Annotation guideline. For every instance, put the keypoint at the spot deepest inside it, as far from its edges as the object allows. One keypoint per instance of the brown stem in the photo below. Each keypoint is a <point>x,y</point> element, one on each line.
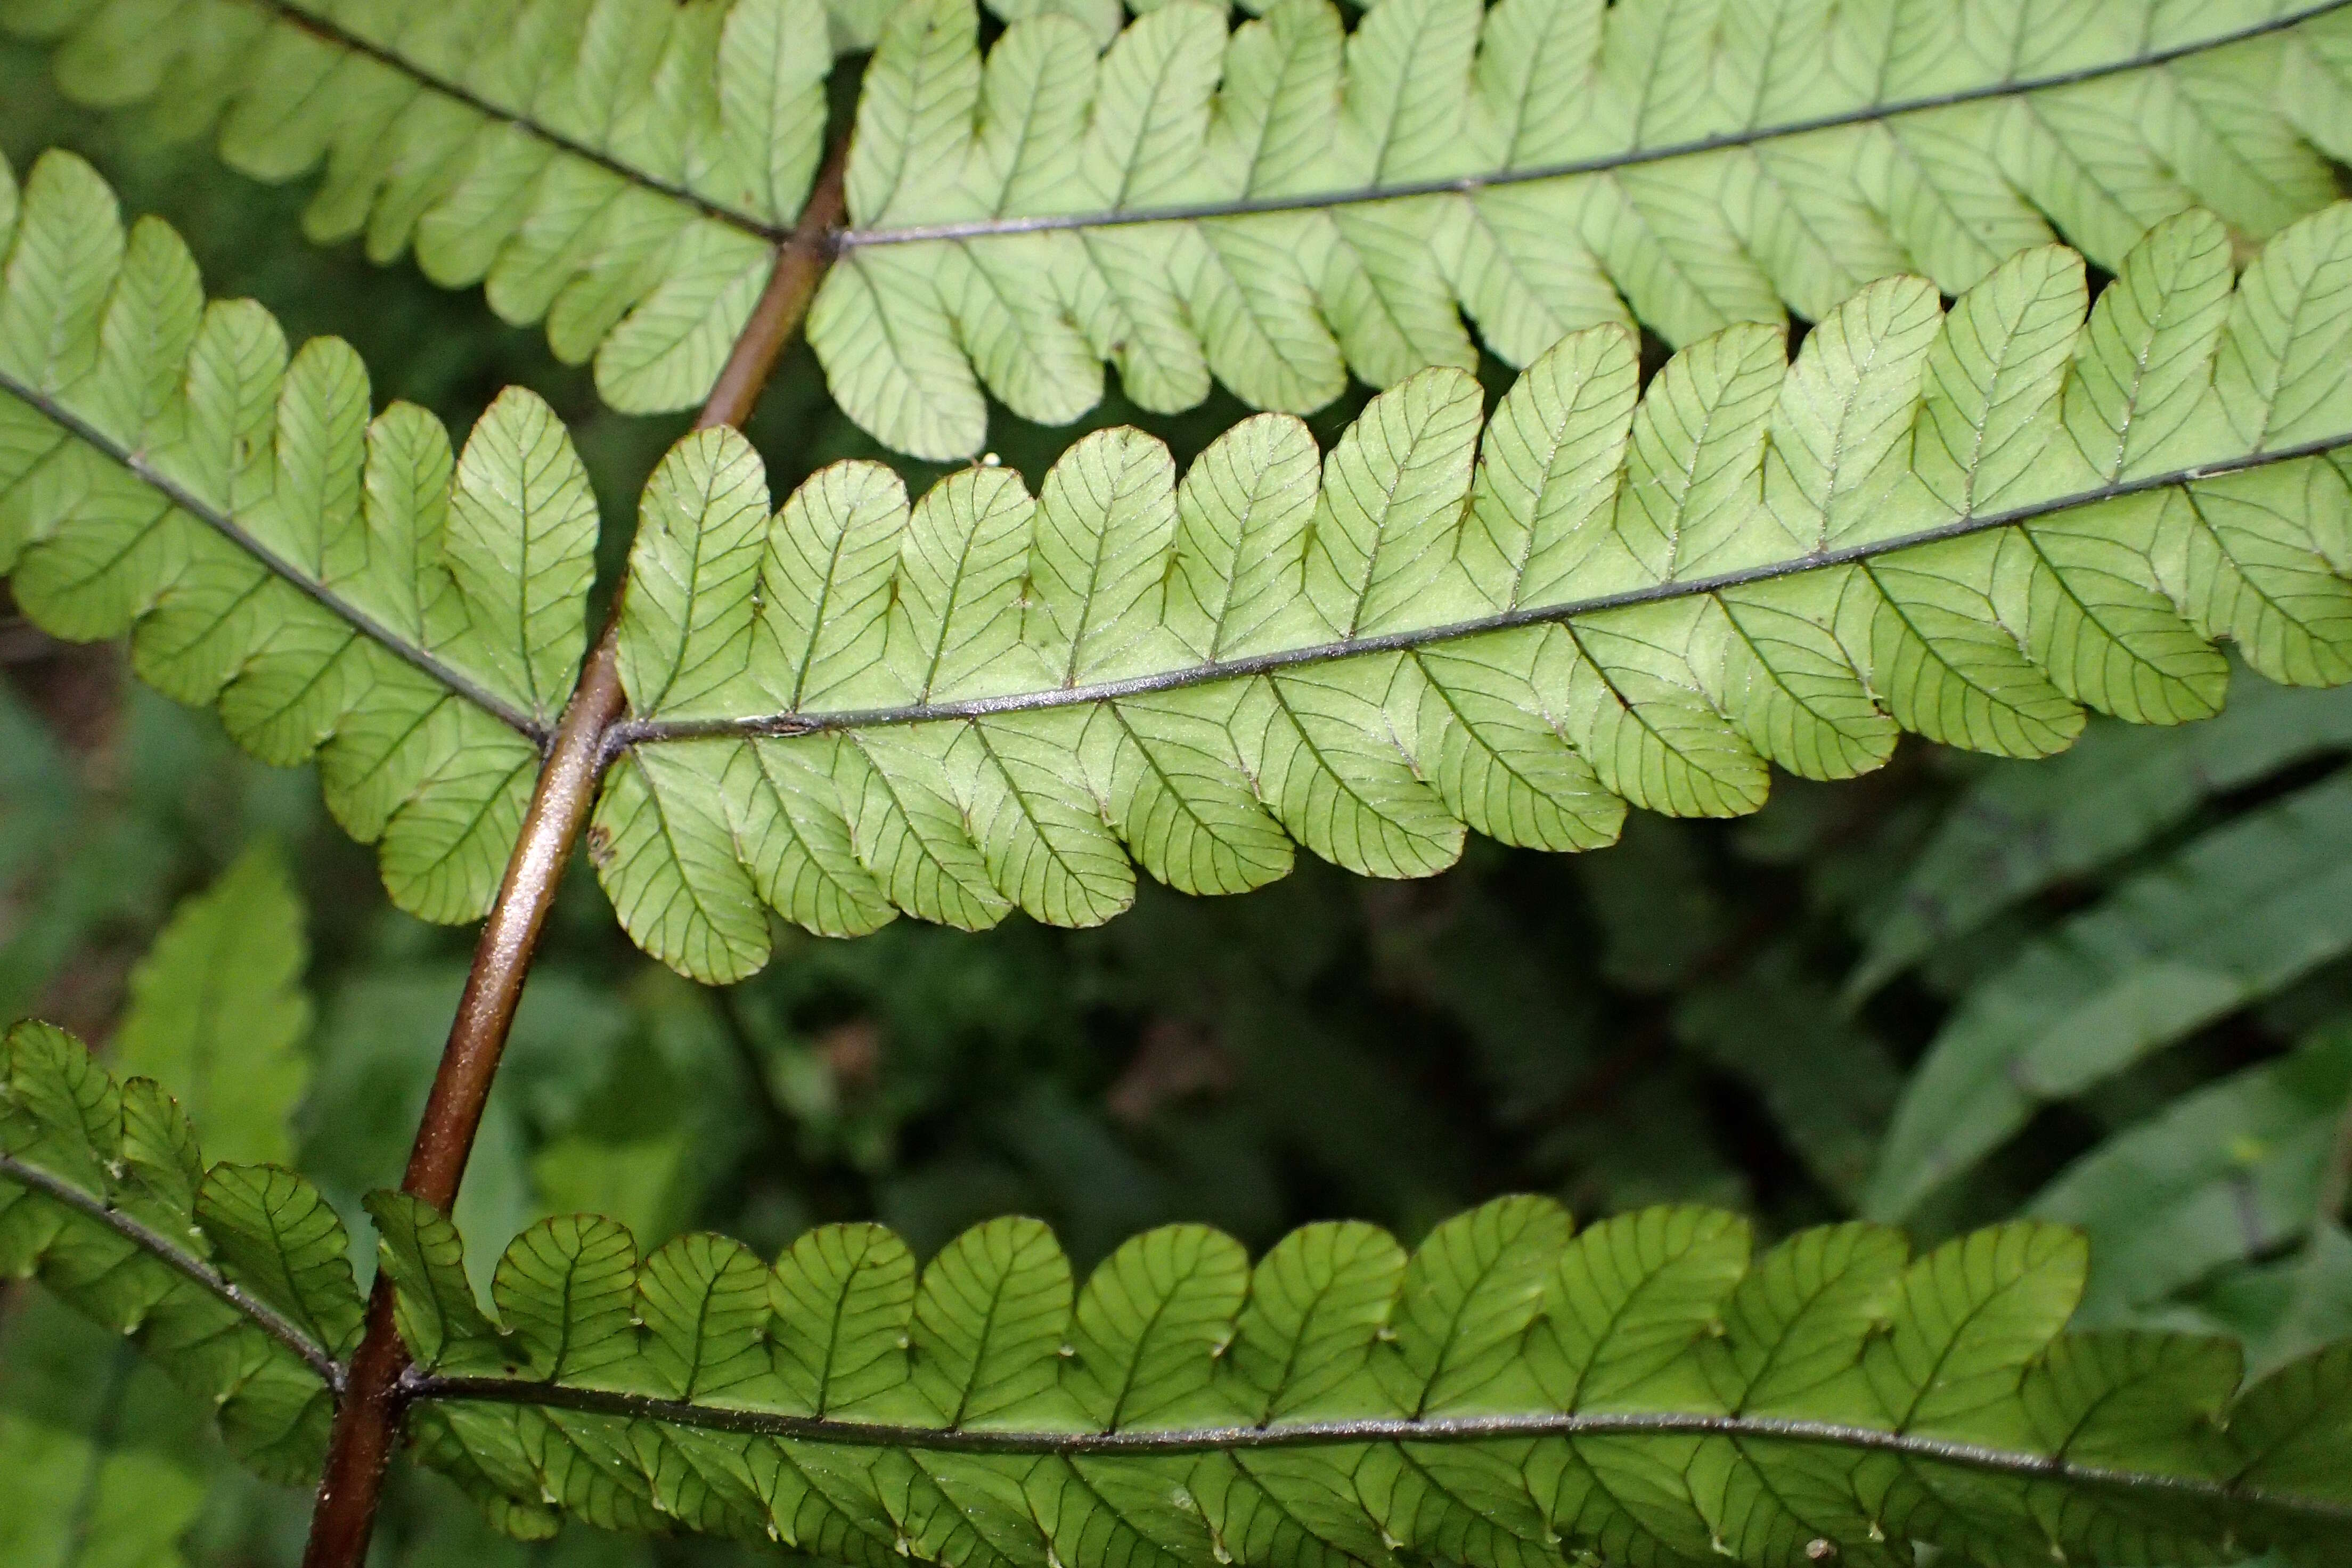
<point>800,266</point>
<point>368,1420</point>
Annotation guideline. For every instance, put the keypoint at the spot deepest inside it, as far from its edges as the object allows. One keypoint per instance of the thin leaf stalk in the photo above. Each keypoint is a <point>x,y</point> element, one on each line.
<point>331,33</point>
<point>374,1402</point>
<point>1958,1453</point>
<point>174,1256</point>
<point>1606,163</point>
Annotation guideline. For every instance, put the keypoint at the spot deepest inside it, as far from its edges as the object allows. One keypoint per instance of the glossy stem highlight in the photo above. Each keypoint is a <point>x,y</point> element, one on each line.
<point>368,1416</point>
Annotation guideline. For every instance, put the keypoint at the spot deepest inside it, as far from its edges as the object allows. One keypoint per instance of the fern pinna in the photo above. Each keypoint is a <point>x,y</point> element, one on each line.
<point>1275,203</point>
<point>1650,1389</point>
<point>1974,520</point>
<point>1969,524</point>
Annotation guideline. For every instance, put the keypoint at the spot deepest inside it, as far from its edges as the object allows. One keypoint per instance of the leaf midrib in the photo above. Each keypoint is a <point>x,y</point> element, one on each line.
<point>775,233</point>
<point>344,610</point>
<point>1470,184</point>
<point>633,732</point>
<point>334,33</point>
<point>251,1310</point>
<point>1161,1441</point>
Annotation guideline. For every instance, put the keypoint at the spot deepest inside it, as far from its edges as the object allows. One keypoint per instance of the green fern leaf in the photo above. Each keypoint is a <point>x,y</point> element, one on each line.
<point>2221,1177</point>
<point>986,701</point>
<point>95,1467</point>
<point>2021,831</point>
<point>1644,1391</point>
<point>1286,202</point>
<point>1511,1387</point>
<point>844,1359</point>
<point>1149,1327</point>
<point>282,1241</point>
<point>216,1011</point>
<point>337,584</point>
<point>988,1321</point>
<point>1955,522</point>
<point>564,1289</point>
<point>622,172</point>
<point>238,1281</point>
<point>1273,204</point>
<point>2233,916</point>
<point>419,1248</point>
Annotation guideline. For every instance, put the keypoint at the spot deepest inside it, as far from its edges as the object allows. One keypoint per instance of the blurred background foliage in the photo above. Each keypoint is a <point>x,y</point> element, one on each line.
<point>2126,974</point>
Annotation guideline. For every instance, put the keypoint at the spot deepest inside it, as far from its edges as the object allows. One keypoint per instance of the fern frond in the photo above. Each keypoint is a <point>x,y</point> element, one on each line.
<point>217,1009</point>
<point>237,1278</point>
<point>96,1464</point>
<point>339,585</point>
<point>2020,831</point>
<point>2235,916</point>
<point>621,170</point>
<point>1275,207</point>
<point>1971,525</point>
<point>1288,204</point>
<point>2223,1176</point>
<point>1645,1391</point>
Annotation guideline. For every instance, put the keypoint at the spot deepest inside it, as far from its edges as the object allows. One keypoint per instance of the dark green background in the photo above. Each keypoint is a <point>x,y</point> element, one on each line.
<point>1655,1022</point>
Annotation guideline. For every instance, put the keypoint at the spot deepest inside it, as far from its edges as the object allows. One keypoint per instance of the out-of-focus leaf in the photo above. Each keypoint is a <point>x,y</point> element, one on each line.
<point>2223,1176</point>
<point>94,1471</point>
<point>217,1014</point>
<point>2022,829</point>
<point>2235,915</point>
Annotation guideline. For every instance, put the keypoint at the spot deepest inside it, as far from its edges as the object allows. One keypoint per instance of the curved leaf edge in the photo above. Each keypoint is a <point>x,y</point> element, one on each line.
<point>853,237</point>
<point>1961,523</point>
<point>339,583</point>
<point>236,1278</point>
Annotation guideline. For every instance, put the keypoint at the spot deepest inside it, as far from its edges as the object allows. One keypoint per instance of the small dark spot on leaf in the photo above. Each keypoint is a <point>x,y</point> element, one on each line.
<point>600,845</point>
